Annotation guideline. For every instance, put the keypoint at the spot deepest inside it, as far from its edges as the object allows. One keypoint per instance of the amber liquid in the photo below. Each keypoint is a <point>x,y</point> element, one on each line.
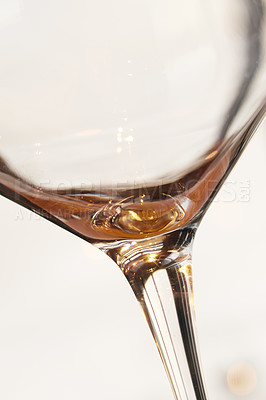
<point>128,213</point>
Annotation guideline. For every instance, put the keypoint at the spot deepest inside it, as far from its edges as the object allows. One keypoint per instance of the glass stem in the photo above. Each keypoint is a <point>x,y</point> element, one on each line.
<point>160,273</point>
<point>167,302</point>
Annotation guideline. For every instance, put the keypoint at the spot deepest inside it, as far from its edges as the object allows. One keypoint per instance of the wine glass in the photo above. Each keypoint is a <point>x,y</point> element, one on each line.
<point>120,122</point>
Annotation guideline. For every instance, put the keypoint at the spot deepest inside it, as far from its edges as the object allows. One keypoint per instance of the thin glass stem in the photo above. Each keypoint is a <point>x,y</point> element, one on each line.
<point>168,305</point>
<point>160,273</point>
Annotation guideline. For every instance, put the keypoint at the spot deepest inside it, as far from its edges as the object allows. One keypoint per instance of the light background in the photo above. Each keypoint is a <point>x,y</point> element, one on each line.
<point>70,328</point>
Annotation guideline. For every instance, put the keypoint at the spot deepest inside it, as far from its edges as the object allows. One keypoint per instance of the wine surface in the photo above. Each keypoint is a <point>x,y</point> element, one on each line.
<point>125,213</point>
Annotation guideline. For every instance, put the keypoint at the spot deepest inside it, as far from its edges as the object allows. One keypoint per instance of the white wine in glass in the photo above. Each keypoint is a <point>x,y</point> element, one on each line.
<point>120,121</point>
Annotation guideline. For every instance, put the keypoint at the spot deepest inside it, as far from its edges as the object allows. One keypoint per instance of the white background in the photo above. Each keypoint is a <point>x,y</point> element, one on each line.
<point>70,328</point>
